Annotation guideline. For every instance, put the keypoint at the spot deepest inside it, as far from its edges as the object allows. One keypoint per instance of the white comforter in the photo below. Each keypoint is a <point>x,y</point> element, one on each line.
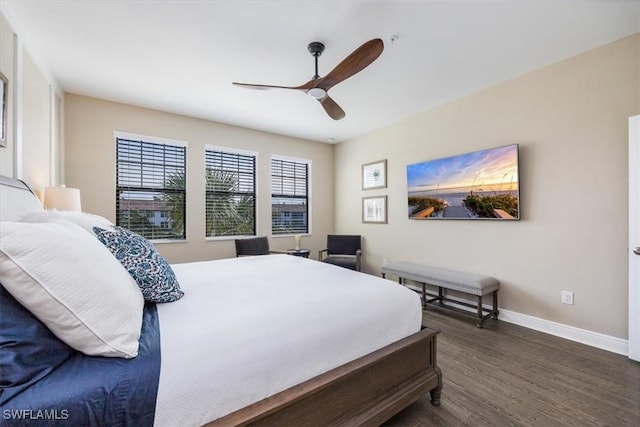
<point>250,327</point>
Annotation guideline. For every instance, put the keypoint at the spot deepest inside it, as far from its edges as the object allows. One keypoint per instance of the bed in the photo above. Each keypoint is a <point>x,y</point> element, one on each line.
<point>265,340</point>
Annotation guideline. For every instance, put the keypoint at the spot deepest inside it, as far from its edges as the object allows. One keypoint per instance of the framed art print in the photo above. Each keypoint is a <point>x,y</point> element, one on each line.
<point>374,210</point>
<point>374,175</point>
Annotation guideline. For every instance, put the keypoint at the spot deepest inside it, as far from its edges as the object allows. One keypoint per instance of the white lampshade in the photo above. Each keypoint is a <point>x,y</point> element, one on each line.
<point>62,198</point>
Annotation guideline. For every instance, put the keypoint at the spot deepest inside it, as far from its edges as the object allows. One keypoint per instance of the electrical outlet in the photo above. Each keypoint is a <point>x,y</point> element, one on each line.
<point>567,297</point>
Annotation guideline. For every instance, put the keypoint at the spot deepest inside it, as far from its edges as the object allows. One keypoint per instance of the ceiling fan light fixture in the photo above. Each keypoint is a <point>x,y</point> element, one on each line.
<point>317,93</point>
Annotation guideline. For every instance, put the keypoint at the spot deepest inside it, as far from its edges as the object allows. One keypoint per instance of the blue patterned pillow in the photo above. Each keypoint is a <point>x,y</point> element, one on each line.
<point>151,271</point>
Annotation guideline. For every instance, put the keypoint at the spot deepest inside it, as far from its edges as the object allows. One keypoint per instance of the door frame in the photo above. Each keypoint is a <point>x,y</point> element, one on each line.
<point>634,238</point>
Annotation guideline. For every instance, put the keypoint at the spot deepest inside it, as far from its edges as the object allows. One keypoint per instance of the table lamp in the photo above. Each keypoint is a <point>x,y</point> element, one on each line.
<point>62,198</point>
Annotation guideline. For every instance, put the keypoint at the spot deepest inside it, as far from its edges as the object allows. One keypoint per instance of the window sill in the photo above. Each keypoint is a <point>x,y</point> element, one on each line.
<point>222,238</point>
<point>165,241</point>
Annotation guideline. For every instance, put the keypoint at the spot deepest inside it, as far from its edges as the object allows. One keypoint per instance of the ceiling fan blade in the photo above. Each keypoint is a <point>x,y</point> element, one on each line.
<point>264,87</point>
<point>332,108</point>
<point>359,59</point>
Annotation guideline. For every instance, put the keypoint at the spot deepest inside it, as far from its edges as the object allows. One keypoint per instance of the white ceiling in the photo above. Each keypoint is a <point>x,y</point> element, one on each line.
<point>181,56</point>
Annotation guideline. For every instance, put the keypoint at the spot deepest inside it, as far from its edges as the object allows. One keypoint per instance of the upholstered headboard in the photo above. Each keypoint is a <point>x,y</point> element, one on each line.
<point>16,198</point>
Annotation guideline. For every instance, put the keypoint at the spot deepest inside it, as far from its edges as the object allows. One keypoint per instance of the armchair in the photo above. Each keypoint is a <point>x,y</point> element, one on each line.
<point>344,251</point>
<point>252,246</point>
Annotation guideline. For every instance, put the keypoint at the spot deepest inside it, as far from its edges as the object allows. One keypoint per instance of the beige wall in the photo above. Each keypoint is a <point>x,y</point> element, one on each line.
<point>35,103</point>
<point>90,165</point>
<point>570,120</point>
<point>36,155</point>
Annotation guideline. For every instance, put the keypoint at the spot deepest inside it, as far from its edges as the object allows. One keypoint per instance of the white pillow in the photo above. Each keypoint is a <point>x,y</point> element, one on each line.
<point>74,285</point>
<point>83,219</point>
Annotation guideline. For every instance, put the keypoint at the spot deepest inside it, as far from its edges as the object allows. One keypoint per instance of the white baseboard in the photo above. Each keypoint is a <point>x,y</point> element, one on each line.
<point>583,336</point>
<point>594,339</point>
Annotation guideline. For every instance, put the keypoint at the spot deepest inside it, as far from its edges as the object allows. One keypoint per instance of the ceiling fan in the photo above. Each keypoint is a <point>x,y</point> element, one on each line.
<point>318,87</point>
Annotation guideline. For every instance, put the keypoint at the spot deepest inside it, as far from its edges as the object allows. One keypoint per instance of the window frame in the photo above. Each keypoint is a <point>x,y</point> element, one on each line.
<point>240,152</point>
<point>147,139</point>
<point>309,195</point>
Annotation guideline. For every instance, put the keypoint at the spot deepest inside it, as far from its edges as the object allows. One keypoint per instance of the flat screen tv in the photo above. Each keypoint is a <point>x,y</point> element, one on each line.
<point>478,185</point>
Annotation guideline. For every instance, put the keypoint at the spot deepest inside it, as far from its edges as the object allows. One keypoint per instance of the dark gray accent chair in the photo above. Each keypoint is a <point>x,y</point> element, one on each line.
<point>344,251</point>
<point>252,246</point>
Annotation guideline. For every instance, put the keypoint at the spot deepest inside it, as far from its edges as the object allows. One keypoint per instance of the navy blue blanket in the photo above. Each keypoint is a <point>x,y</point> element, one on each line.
<point>44,382</point>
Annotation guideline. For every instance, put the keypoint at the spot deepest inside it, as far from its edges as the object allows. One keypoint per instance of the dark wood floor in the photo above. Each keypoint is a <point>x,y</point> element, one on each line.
<point>507,375</point>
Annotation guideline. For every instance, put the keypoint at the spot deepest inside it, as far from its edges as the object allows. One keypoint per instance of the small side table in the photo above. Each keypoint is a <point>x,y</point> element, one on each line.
<point>304,253</point>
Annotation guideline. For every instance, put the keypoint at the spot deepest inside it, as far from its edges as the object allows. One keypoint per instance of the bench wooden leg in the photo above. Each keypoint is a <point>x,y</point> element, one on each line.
<point>493,313</point>
<point>480,316</point>
<point>424,296</point>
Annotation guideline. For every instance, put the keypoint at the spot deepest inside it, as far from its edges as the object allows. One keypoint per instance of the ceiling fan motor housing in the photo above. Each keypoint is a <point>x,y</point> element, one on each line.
<point>316,48</point>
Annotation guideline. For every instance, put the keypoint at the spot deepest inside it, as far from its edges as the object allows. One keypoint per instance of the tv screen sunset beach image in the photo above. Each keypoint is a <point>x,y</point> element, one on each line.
<point>482,184</point>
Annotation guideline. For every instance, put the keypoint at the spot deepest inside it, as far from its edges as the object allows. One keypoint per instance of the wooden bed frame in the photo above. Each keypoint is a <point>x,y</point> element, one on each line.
<point>365,392</point>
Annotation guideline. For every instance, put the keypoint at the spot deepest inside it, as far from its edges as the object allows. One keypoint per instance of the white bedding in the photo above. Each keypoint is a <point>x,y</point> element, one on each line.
<point>250,327</point>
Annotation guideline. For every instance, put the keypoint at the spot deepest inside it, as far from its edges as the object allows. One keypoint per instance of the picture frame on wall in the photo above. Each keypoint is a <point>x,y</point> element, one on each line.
<point>4,93</point>
<point>374,175</point>
<point>374,210</point>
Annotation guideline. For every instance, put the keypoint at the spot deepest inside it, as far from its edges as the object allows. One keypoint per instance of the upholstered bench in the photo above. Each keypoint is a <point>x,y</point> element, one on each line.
<point>467,283</point>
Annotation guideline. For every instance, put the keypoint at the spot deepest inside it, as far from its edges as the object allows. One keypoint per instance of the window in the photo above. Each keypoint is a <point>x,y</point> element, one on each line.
<point>150,188</point>
<point>289,196</point>
<point>231,193</point>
